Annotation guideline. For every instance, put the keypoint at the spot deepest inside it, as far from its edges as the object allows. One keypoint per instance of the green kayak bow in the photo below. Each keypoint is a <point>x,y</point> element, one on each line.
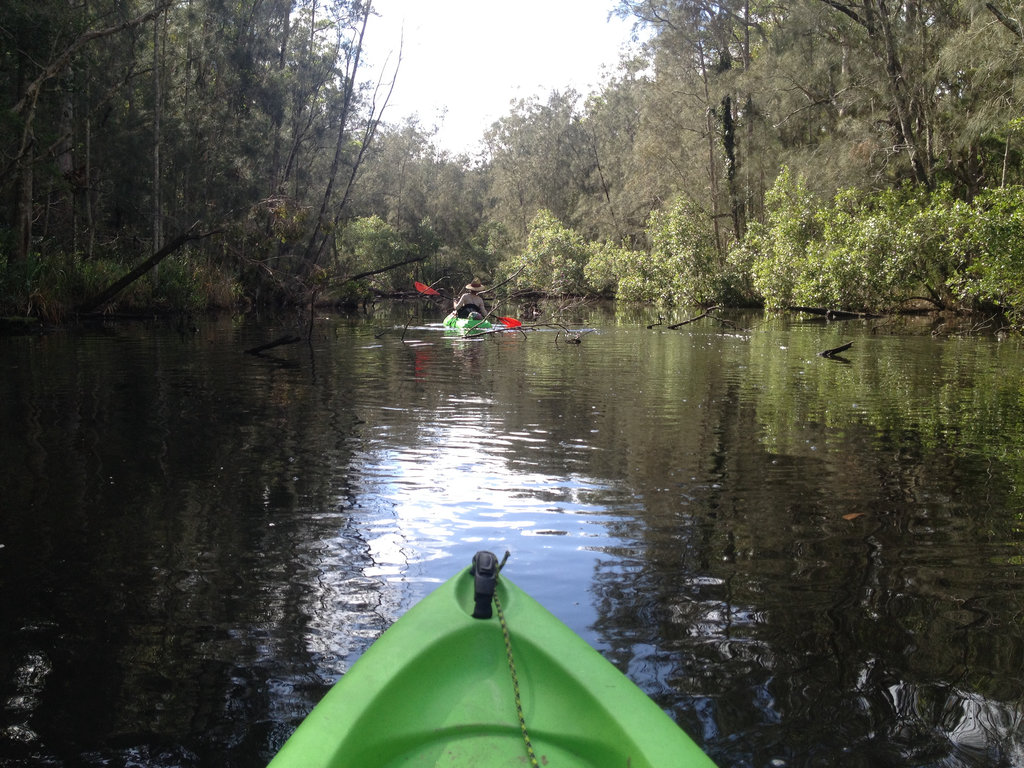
<point>480,674</point>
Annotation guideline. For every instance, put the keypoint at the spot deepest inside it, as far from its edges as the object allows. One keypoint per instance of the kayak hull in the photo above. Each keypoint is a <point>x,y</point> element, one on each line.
<point>435,689</point>
<point>466,324</point>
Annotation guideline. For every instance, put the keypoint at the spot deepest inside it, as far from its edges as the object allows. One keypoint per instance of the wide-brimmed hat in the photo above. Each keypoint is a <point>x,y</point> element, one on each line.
<point>476,286</point>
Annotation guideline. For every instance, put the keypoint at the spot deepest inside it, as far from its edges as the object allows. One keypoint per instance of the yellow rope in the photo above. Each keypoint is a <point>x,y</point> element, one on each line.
<point>512,670</point>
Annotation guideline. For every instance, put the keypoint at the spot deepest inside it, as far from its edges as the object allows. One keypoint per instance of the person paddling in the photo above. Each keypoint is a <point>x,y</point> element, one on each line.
<point>471,301</point>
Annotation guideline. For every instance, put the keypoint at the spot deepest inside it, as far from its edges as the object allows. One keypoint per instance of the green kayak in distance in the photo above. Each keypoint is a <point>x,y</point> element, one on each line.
<point>467,324</point>
<point>436,689</point>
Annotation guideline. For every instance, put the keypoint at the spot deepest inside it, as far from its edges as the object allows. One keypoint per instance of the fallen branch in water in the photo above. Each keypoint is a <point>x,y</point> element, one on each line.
<point>503,282</point>
<point>276,343</point>
<point>693,319</point>
<point>473,333</point>
<point>831,353</point>
<point>834,314</point>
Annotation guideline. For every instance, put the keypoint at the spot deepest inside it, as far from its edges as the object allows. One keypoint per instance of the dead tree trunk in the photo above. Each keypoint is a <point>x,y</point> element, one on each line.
<point>106,295</point>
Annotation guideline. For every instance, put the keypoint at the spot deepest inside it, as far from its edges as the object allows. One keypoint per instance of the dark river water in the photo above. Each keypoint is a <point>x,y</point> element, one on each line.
<point>805,561</point>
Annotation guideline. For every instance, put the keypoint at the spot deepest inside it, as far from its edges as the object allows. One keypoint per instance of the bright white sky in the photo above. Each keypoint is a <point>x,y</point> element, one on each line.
<point>464,61</point>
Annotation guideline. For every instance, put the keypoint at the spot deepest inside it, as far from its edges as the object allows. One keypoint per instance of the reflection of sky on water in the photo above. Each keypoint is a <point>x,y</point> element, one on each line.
<point>422,511</point>
<point>742,530</point>
<point>621,537</point>
<point>428,487</point>
<point>971,722</point>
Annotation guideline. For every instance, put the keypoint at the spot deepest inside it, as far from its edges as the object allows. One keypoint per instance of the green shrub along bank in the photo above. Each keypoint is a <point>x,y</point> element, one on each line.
<point>882,251</point>
<point>868,252</point>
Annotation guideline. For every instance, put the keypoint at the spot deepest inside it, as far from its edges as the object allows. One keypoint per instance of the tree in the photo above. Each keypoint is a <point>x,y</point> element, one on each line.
<point>23,148</point>
<point>538,159</point>
<point>433,199</point>
<point>620,190</point>
<point>344,148</point>
<point>982,77</point>
<point>554,259</point>
<point>701,104</point>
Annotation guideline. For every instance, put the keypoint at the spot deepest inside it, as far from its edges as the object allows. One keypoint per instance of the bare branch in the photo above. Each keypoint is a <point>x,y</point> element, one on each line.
<point>1013,25</point>
<point>846,10</point>
<point>58,64</point>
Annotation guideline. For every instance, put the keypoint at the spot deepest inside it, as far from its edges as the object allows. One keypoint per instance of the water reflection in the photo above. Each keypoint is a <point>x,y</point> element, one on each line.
<point>806,563</point>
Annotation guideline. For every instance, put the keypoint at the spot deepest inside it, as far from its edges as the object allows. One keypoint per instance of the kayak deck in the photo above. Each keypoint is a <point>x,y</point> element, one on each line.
<point>436,689</point>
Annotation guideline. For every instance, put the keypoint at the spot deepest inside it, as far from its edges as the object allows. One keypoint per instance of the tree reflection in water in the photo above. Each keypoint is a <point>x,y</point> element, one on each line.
<point>806,563</point>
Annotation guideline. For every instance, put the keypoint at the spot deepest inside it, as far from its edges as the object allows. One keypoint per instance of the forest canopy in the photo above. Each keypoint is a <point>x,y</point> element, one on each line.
<point>862,156</point>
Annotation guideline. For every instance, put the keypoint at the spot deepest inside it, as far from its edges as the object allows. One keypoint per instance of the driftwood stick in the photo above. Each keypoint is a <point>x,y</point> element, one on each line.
<point>830,353</point>
<point>388,268</point>
<point>503,282</point>
<point>275,343</point>
<point>473,333</point>
<point>693,319</point>
<point>833,314</point>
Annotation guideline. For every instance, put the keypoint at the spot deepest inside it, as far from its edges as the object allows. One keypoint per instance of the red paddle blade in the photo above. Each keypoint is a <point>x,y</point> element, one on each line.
<point>510,322</point>
<point>426,289</point>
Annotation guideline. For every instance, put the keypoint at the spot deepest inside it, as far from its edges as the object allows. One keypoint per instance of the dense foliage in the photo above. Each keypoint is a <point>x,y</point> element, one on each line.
<point>860,155</point>
<point>887,250</point>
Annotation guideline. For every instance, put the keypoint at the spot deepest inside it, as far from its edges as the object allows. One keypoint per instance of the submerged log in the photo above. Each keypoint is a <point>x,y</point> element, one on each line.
<point>834,352</point>
<point>20,325</point>
<point>275,343</point>
<point>833,314</point>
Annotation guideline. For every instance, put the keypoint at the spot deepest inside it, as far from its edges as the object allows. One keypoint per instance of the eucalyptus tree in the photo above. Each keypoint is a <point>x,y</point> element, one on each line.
<point>348,149</point>
<point>538,159</point>
<point>396,175</point>
<point>983,66</point>
<point>877,54</point>
<point>306,98</point>
<point>879,92</point>
<point>701,118</point>
<point>620,189</point>
<point>435,199</point>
